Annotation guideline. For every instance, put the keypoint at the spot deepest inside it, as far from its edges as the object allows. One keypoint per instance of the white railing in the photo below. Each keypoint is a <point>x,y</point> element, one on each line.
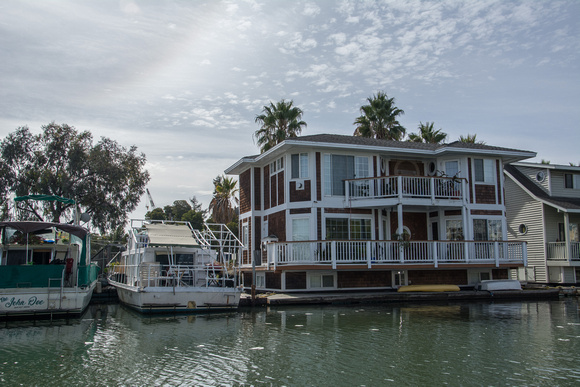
<point>371,253</point>
<point>556,251</point>
<point>405,187</point>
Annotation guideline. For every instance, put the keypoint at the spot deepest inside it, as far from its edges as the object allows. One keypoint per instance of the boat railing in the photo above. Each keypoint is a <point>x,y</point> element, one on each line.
<point>370,253</point>
<point>156,275</point>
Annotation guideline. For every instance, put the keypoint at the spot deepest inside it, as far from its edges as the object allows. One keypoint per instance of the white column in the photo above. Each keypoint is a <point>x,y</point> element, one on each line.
<point>567,235</point>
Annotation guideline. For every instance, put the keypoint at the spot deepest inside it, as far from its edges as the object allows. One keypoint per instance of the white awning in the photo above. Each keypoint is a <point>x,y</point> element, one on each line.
<point>170,235</point>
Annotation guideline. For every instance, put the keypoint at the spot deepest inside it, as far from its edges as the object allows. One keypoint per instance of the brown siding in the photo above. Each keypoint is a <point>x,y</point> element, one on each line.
<point>484,194</point>
<point>319,223</point>
<point>470,183</point>
<point>417,223</point>
<point>302,195</point>
<point>273,191</point>
<point>245,192</point>
<point>258,232</point>
<point>296,280</point>
<point>277,225</point>
<point>434,277</point>
<point>281,188</point>
<point>294,211</point>
<point>498,177</point>
<point>274,280</point>
<point>363,279</point>
<point>257,189</point>
<point>266,187</point>
<point>347,211</point>
<point>499,274</point>
<point>318,177</point>
<point>486,212</point>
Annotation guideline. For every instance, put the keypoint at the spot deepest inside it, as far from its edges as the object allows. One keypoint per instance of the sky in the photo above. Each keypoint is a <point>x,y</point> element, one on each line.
<point>184,80</point>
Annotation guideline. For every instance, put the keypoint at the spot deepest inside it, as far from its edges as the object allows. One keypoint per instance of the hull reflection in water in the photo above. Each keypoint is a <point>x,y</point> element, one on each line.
<point>532,343</point>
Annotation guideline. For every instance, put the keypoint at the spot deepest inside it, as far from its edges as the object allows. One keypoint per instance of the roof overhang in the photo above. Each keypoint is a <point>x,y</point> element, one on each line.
<point>507,155</point>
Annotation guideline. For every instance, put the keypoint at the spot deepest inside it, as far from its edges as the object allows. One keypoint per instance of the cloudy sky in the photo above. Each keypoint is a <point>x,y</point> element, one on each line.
<point>184,80</point>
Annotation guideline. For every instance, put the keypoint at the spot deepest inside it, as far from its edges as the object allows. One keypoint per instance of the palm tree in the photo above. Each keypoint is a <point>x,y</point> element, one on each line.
<point>278,122</point>
<point>471,139</point>
<point>428,134</point>
<point>224,202</point>
<point>379,119</point>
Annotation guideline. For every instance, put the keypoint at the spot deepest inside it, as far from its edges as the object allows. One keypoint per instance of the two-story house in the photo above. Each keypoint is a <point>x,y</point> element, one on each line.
<point>543,208</point>
<point>328,212</point>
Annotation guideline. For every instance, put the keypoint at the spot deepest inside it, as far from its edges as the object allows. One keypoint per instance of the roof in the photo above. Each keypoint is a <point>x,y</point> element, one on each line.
<point>170,235</point>
<point>336,141</point>
<point>30,226</point>
<point>562,203</point>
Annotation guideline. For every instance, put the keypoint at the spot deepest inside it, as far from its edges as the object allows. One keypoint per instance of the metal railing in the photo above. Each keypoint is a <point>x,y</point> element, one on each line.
<point>405,187</point>
<point>372,253</point>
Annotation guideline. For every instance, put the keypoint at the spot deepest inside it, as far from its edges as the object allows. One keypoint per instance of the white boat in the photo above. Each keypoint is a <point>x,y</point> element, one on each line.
<point>168,267</point>
<point>504,284</point>
<point>45,269</point>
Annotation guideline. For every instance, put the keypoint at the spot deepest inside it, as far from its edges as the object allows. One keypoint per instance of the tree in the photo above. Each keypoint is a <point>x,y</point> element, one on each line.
<point>471,139</point>
<point>106,180</point>
<point>428,134</point>
<point>278,122</point>
<point>379,119</point>
<point>224,202</point>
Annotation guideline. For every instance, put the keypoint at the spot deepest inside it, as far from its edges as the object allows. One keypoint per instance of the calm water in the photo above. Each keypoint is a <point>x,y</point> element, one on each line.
<point>469,344</point>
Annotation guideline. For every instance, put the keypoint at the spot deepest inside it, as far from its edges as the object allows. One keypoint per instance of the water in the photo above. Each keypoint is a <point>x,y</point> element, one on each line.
<point>468,344</point>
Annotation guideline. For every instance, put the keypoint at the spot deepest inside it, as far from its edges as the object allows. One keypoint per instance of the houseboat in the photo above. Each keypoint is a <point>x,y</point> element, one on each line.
<point>45,269</point>
<point>334,212</point>
<point>169,267</point>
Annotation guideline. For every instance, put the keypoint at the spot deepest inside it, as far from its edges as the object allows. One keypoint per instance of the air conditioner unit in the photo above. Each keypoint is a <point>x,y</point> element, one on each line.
<point>299,185</point>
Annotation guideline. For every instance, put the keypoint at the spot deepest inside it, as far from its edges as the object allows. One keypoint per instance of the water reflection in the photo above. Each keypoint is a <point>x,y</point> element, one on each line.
<point>532,343</point>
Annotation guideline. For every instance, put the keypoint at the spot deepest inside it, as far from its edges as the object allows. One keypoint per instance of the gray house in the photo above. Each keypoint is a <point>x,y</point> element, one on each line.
<point>543,209</point>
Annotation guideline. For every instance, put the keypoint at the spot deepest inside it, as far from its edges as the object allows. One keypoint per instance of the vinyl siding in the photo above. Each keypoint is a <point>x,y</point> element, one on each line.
<point>523,209</point>
<point>558,185</point>
<point>531,174</point>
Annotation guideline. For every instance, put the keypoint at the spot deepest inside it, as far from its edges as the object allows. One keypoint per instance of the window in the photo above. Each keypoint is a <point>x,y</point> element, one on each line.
<point>318,280</point>
<point>574,232</point>
<point>451,168</point>
<point>246,235</point>
<point>348,229</point>
<point>571,181</point>
<point>484,171</point>
<point>454,230</point>
<point>338,168</point>
<point>260,280</point>
<point>299,165</point>
<point>276,166</point>
<point>487,230</point>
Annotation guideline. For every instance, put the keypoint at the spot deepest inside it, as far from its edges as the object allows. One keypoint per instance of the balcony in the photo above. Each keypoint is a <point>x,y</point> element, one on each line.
<point>558,254</point>
<point>406,189</point>
<point>394,253</point>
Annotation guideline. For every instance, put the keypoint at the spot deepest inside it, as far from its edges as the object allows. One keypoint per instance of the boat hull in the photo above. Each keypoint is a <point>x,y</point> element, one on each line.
<point>178,300</point>
<point>429,288</point>
<point>24,302</point>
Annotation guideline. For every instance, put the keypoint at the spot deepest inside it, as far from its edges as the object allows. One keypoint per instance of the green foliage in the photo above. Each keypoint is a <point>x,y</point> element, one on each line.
<point>105,179</point>
<point>224,202</point>
<point>378,119</point>
<point>278,122</point>
<point>471,139</point>
<point>181,210</point>
<point>428,134</point>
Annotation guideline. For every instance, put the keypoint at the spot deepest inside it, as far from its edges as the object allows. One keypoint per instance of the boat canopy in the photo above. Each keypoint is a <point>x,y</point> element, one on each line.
<point>51,198</point>
<point>30,226</point>
<point>170,235</point>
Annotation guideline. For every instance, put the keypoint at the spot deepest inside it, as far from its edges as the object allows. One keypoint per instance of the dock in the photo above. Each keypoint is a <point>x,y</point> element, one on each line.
<point>337,298</point>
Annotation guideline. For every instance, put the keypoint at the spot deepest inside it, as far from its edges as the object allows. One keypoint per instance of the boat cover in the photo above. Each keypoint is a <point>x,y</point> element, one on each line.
<point>30,226</point>
<point>170,235</point>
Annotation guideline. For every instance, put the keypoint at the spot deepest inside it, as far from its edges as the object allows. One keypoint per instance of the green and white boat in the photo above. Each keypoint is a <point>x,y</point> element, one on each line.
<point>45,269</point>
